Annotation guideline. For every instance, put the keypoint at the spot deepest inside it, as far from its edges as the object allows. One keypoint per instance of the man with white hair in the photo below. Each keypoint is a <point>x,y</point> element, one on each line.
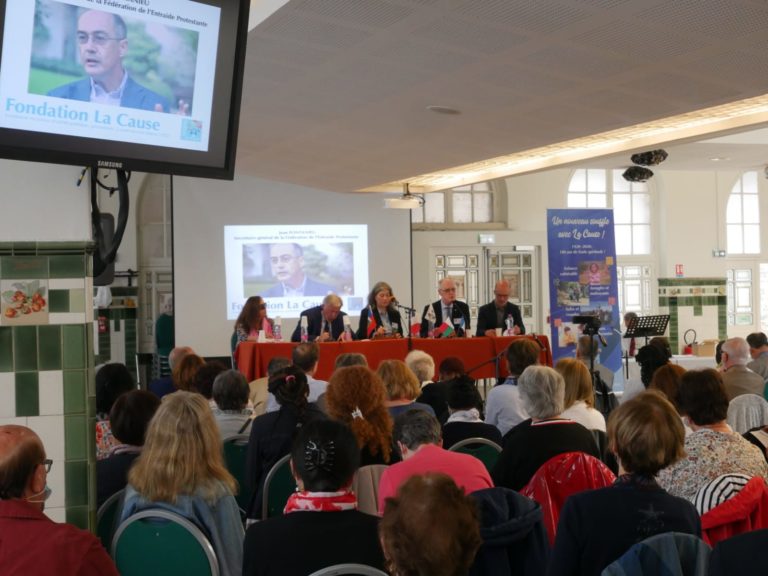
<point>451,315</point>
<point>739,379</point>
<point>325,323</point>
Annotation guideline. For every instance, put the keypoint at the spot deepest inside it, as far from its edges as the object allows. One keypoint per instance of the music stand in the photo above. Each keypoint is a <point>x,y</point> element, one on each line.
<point>645,326</point>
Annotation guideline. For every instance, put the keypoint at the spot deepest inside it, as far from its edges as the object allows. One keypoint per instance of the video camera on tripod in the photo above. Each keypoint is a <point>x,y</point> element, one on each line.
<point>590,324</point>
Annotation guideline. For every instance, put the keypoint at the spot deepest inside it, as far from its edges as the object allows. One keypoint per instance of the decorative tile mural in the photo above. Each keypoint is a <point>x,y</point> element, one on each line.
<point>46,364</point>
<point>698,303</point>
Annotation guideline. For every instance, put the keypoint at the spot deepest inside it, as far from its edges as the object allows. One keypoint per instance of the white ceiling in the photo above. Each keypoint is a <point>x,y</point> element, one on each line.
<point>336,90</point>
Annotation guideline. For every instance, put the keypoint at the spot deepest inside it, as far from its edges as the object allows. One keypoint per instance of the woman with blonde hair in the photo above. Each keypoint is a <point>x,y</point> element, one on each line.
<point>579,394</point>
<point>356,396</point>
<point>402,388</point>
<point>181,469</point>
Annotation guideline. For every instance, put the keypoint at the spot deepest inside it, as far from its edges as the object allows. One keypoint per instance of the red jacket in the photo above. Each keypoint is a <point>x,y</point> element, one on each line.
<point>746,511</point>
<point>561,476</point>
<point>31,544</point>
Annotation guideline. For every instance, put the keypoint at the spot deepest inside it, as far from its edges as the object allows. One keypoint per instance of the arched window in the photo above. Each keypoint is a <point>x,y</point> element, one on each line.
<point>470,204</point>
<point>742,217</point>
<point>631,203</point>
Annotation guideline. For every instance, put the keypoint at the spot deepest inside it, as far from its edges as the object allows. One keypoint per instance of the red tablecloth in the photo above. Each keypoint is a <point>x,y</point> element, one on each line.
<point>253,358</point>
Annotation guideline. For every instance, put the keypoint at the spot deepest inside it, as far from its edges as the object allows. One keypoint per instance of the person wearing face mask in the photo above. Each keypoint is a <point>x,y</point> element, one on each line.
<point>32,543</point>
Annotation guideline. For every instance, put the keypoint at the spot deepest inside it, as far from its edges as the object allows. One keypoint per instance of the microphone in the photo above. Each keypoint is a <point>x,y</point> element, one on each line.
<point>602,339</point>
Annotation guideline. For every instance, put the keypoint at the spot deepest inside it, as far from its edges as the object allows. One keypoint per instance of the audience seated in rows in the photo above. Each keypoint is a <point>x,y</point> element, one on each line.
<point>31,543</point>
<point>579,394</point>
<point>321,526</point>
<point>259,393</point>
<point>305,357</point>
<point>162,386</point>
<point>356,397</point>
<point>546,434</point>
<point>417,434</point>
<point>272,433</point>
<point>230,393</point>
<point>596,527</point>
<point>503,407</point>
<point>181,469</point>
<point>737,378</point>
<point>112,381</point>
<point>712,448</point>
<point>430,528</point>
<point>436,393</point>
<point>129,418</point>
<point>402,387</point>
<point>464,422</point>
<point>758,350</point>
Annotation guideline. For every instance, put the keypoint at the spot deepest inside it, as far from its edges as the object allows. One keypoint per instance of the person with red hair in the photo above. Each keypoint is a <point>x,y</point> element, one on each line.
<point>356,396</point>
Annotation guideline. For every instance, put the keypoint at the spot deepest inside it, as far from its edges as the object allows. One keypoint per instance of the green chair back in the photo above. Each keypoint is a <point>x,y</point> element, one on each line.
<point>278,486</point>
<point>235,453</point>
<point>481,448</point>
<point>106,518</point>
<point>161,542</point>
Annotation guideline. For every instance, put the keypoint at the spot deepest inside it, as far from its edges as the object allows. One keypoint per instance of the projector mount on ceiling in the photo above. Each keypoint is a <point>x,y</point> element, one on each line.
<point>407,201</point>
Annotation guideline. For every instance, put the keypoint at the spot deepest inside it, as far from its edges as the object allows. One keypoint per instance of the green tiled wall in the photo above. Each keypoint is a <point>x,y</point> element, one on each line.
<point>675,293</point>
<point>63,347</point>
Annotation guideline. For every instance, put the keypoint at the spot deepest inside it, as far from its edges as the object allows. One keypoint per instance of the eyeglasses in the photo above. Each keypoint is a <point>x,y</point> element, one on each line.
<point>47,463</point>
<point>284,258</point>
<point>447,289</point>
<point>98,38</point>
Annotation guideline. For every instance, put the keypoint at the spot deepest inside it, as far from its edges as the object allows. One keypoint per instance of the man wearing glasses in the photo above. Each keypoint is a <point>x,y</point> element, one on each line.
<point>32,543</point>
<point>287,262</point>
<point>103,42</point>
<point>448,312</point>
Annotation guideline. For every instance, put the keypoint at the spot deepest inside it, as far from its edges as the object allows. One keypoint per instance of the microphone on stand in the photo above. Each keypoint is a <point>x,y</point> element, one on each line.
<point>402,307</point>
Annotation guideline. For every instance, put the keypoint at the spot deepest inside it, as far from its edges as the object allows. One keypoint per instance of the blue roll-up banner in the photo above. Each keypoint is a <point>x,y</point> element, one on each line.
<point>582,273</point>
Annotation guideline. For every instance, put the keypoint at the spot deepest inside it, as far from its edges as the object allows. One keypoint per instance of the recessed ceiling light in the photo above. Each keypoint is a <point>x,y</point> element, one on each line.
<point>443,110</point>
<point>719,159</point>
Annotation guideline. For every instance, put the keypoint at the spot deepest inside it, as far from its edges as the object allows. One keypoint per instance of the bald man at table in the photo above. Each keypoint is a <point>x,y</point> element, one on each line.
<point>494,314</point>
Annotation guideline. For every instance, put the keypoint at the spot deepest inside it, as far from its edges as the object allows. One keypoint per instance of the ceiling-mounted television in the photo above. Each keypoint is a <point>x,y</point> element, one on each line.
<point>147,85</point>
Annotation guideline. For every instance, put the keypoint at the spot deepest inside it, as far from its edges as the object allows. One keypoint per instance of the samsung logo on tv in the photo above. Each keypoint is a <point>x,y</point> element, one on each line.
<point>107,164</point>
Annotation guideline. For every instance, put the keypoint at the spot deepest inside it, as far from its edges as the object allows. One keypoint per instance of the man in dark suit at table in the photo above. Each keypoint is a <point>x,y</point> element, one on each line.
<point>494,314</point>
<point>449,310</point>
<point>325,323</point>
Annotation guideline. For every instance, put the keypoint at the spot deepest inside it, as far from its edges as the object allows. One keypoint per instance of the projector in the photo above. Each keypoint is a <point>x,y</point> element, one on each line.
<point>405,202</point>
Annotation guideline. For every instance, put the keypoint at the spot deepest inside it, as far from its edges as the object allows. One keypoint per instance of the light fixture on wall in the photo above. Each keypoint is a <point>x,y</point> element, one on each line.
<point>407,201</point>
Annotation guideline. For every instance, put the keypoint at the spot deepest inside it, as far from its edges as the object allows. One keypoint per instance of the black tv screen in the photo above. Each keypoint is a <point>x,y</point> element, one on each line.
<point>148,85</point>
